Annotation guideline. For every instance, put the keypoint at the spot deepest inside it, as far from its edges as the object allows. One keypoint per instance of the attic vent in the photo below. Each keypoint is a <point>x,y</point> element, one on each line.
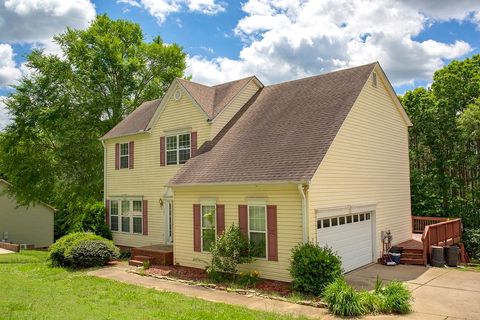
<point>374,79</point>
<point>177,95</point>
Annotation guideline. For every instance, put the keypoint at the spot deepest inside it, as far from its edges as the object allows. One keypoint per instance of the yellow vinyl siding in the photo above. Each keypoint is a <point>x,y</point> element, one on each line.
<point>233,107</point>
<point>32,226</point>
<point>148,178</point>
<point>367,163</point>
<point>287,199</point>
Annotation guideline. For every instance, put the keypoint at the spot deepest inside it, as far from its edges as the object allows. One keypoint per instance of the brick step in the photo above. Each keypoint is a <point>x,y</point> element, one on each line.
<point>411,261</point>
<point>143,258</point>
<point>135,263</point>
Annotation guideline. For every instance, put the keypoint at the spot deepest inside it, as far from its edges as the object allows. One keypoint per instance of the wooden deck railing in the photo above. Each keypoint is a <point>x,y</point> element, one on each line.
<point>419,223</point>
<point>441,234</point>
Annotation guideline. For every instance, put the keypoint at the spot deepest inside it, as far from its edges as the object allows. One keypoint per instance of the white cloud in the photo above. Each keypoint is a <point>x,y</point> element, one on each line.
<point>23,21</point>
<point>160,9</point>
<point>287,39</point>
<point>9,73</point>
<point>4,116</point>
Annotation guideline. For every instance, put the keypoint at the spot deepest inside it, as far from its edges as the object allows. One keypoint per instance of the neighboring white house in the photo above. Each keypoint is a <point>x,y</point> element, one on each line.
<point>31,226</point>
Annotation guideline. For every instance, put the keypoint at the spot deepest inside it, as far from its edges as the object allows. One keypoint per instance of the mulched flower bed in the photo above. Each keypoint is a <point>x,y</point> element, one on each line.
<point>280,288</point>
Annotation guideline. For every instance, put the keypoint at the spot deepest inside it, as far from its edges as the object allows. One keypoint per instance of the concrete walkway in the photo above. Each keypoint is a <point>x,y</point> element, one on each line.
<point>5,251</point>
<point>439,293</point>
<point>119,273</point>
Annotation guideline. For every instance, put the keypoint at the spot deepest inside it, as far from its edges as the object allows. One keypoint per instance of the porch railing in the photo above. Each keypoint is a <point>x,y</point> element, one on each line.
<point>419,223</point>
<point>441,234</point>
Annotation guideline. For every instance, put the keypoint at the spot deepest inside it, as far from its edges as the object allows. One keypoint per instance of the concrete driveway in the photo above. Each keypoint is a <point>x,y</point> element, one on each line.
<point>439,293</point>
<point>5,251</point>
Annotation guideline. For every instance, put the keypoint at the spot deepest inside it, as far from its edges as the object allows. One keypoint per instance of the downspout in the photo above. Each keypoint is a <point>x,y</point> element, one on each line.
<point>301,189</point>
<point>104,172</point>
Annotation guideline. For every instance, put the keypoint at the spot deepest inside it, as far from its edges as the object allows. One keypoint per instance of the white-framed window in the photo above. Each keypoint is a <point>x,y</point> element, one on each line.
<point>126,215</point>
<point>178,148</point>
<point>124,154</point>
<point>257,228</point>
<point>208,224</point>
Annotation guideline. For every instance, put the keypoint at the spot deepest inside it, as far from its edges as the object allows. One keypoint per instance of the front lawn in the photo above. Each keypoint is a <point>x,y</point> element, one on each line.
<point>30,289</point>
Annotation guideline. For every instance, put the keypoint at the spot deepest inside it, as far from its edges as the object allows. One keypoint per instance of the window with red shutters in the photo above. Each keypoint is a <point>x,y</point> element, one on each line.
<point>220,219</point>
<point>197,238</point>
<point>272,233</point>
<point>162,151</point>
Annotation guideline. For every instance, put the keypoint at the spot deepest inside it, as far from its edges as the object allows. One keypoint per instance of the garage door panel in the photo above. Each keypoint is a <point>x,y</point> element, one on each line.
<point>352,242</point>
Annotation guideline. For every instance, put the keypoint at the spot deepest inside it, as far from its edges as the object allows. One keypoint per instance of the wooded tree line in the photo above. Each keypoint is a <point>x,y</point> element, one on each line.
<point>51,152</point>
<point>445,143</point>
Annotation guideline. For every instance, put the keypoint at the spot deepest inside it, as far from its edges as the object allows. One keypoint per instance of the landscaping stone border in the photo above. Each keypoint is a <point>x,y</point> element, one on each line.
<point>245,292</point>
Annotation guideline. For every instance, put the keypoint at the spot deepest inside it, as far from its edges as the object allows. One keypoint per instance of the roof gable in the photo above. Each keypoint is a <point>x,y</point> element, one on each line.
<point>284,133</point>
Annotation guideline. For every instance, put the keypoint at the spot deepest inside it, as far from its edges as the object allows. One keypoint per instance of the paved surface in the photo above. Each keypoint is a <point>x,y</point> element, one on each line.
<point>439,293</point>
<point>252,302</point>
<point>5,251</point>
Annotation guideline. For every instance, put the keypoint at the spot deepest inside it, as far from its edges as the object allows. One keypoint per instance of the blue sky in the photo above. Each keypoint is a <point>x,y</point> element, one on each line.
<point>277,40</point>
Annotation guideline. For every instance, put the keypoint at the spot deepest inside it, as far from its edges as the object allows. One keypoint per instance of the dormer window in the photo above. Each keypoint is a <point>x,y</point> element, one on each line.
<point>178,148</point>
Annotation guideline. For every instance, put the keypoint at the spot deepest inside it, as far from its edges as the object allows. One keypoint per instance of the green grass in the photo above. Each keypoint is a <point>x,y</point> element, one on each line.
<point>30,289</point>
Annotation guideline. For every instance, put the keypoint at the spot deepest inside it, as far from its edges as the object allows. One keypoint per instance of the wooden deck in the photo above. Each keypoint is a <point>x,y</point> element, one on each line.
<point>414,243</point>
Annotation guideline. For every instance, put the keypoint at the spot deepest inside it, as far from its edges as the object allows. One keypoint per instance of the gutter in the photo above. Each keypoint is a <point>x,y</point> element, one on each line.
<point>104,172</point>
<point>302,190</point>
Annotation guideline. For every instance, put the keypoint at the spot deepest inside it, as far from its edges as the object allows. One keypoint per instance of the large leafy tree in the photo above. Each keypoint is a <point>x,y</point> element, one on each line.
<point>51,151</point>
<point>445,142</point>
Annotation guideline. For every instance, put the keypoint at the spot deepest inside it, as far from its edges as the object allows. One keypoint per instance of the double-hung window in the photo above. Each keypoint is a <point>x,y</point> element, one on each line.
<point>124,152</point>
<point>178,148</point>
<point>129,213</point>
<point>257,228</point>
<point>208,220</point>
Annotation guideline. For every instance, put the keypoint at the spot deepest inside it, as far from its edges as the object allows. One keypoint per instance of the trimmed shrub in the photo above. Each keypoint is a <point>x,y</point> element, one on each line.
<point>92,219</point>
<point>63,254</point>
<point>313,268</point>
<point>471,240</point>
<point>343,300</point>
<point>91,253</point>
<point>231,249</point>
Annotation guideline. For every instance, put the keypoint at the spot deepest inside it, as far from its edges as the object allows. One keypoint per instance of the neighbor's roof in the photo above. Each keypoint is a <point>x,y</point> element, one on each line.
<point>283,133</point>
<point>8,184</point>
<point>212,100</point>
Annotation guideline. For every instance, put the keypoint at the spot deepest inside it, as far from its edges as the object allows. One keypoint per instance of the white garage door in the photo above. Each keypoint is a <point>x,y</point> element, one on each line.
<point>350,236</point>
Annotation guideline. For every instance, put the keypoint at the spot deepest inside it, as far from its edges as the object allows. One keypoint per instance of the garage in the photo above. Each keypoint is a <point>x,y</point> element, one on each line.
<point>350,236</point>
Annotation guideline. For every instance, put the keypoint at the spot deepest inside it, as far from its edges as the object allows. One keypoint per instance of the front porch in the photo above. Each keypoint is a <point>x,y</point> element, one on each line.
<point>428,232</point>
<point>159,254</point>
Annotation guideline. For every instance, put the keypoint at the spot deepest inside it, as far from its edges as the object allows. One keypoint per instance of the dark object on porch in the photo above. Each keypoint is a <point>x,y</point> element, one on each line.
<point>156,255</point>
<point>451,255</point>
<point>396,249</point>
<point>438,256</point>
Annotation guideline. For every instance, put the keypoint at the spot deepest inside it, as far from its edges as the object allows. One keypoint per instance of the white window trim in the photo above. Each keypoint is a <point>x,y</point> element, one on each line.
<point>177,149</point>
<point>207,204</point>
<point>120,156</point>
<point>266,228</point>
<point>131,214</point>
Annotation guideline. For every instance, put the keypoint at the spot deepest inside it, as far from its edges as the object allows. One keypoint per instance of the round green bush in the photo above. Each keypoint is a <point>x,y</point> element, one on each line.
<point>471,240</point>
<point>91,253</point>
<point>343,300</point>
<point>62,252</point>
<point>313,268</point>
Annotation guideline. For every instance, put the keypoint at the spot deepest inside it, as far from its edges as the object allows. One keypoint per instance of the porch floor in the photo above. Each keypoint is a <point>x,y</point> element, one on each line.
<point>160,254</point>
<point>414,243</point>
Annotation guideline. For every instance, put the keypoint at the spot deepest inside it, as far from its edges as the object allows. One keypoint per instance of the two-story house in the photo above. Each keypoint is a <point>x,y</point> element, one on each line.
<point>321,159</point>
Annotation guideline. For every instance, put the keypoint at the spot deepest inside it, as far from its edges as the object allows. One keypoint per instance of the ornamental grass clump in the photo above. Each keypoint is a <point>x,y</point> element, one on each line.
<point>343,300</point>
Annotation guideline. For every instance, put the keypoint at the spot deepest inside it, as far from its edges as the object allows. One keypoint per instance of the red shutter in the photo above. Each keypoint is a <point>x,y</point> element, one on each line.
<point>162,151</point>
<point>145,217</point>
<point>243,218</point>
<point>220,219</point>
<point>107,213</point>
<point>130,154</point>
<point>193,147</point>
<point>117,156</point>
<point>272,233</point>
<point>196,228</point>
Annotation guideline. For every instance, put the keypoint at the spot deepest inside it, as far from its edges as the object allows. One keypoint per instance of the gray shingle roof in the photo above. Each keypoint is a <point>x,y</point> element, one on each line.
<point>282,134</point>
<point>211,99</point>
